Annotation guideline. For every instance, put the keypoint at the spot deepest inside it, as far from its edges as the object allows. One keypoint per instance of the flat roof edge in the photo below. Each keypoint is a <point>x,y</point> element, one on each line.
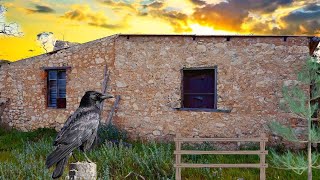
<point>183,35</point>
<point>227,35</point>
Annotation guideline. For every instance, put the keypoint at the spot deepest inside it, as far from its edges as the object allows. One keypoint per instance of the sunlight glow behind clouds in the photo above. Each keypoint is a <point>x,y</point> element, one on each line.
<point>84,20</point>
<point>203,30</point>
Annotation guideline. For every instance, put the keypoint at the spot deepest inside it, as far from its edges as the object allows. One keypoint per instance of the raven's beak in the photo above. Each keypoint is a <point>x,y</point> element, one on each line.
<point>106,96</point>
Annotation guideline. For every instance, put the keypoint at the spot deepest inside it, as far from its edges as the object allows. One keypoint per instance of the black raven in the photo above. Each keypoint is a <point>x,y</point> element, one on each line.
<point>79,131</point>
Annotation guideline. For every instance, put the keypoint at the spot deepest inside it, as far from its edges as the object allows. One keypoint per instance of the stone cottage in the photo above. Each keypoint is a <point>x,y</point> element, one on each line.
<point>207,86</point>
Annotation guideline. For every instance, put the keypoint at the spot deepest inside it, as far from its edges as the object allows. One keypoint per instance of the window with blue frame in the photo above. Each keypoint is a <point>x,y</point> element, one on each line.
<point>56,88</point>
<point>199,88</point>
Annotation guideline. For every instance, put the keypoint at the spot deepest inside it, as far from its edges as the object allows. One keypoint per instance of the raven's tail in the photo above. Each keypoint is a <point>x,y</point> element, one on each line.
<point>58,154</point>
<point>58,171</point>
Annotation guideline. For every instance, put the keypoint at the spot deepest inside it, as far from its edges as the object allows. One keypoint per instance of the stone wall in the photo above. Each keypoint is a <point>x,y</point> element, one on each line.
<point>146,72</point>
<point>24,83</point>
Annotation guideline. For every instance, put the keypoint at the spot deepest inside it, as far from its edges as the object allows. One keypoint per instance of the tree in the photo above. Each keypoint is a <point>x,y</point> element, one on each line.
<point>46,40</point>
<point>303,104</point>
<point>10,29</point>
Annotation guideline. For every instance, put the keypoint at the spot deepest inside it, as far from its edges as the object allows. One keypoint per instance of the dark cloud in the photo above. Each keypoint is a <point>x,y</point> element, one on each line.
<point>198,2</point>
<point>268,6</point>
<point>230,15</point>
<point>312,7</point>
<point>145,8</point>
<point>117,4</point>
<point>157,9</point>
<point>178,20</point>
<point>156,4</point>
<point>41,9</point>
<point>76,14</point>
<point>305,20</point>
<point>226,16</point>
<point>108,26</point>
<point>310,12</point>
<point>85,14</point>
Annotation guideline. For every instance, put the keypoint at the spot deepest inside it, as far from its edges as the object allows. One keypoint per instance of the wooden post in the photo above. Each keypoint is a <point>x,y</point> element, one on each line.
<point>261,153</point>
<point>82,170</point>
<point>263,157</point>
<point>178,158</point>
<point>104,84</point>
<point>114,107</point>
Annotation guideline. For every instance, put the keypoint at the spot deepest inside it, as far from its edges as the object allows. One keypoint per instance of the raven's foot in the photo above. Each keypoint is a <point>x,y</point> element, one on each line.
<point>87,159</point>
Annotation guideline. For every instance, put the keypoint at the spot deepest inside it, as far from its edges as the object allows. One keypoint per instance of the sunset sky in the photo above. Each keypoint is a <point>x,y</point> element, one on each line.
<point>84,20</point>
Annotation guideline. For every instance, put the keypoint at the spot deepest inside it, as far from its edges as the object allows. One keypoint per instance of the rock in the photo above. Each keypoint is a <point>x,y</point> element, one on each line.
<point>201,48</point>
<point>82,170</point>
<point>60,119</point>
<point>261,84</point>
<point>135,107</point>
<point>298,49</point>
<point>3,100</point>
<point>290,82</point>
<point>120,62</point>
<point>23,129</point>
<point>190,60</point>
<point>120,84</point>
<point>156,133</point>
<point>220,125</point>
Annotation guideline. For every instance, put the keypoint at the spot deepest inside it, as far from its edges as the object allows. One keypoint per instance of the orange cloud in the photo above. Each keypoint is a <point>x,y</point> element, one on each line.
<point>230,15</point>
<point>83,13</point>
<point>178,20</point>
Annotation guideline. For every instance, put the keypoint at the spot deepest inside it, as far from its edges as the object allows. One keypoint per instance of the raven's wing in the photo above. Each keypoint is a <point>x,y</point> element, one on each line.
<point>71,119</point>
<point>73,136</point>
<point>80,129</point>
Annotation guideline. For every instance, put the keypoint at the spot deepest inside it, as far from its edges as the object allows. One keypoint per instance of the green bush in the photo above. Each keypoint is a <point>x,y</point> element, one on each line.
<point>107,132</point>
<point>13,139</point>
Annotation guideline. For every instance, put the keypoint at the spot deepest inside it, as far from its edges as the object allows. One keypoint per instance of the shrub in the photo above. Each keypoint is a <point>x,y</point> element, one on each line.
<point>110,132</point>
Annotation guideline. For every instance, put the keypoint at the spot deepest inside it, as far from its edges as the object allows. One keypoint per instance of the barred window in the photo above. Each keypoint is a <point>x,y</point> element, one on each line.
<point>56,90</point>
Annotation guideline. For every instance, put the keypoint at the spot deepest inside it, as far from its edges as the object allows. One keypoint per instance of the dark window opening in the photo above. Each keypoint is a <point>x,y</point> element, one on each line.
<point>199,88</point>
<point>57,88</point>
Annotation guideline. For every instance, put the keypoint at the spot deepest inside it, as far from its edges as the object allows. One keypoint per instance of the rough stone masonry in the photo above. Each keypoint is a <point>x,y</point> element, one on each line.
<point>146,71</point>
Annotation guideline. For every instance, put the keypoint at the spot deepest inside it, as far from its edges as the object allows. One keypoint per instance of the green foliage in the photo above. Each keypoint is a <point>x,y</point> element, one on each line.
<point>11,139</point>
<point>296,100</point>
<point>315,134</point>
<point>27,162</point>
<point>283,131</point>
<point>310,72</point>
<point>300,103</point>
<point>110,132</point>
<point>155,160</point>
<point>296,162</point>
<point>150,160</point>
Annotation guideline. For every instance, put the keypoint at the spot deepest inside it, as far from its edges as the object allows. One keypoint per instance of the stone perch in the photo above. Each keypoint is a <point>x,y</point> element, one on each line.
<point>82,171</point>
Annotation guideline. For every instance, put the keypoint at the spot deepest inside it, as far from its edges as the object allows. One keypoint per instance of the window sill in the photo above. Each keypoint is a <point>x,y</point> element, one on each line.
<point>56,108</point>
<point>204,110</point>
